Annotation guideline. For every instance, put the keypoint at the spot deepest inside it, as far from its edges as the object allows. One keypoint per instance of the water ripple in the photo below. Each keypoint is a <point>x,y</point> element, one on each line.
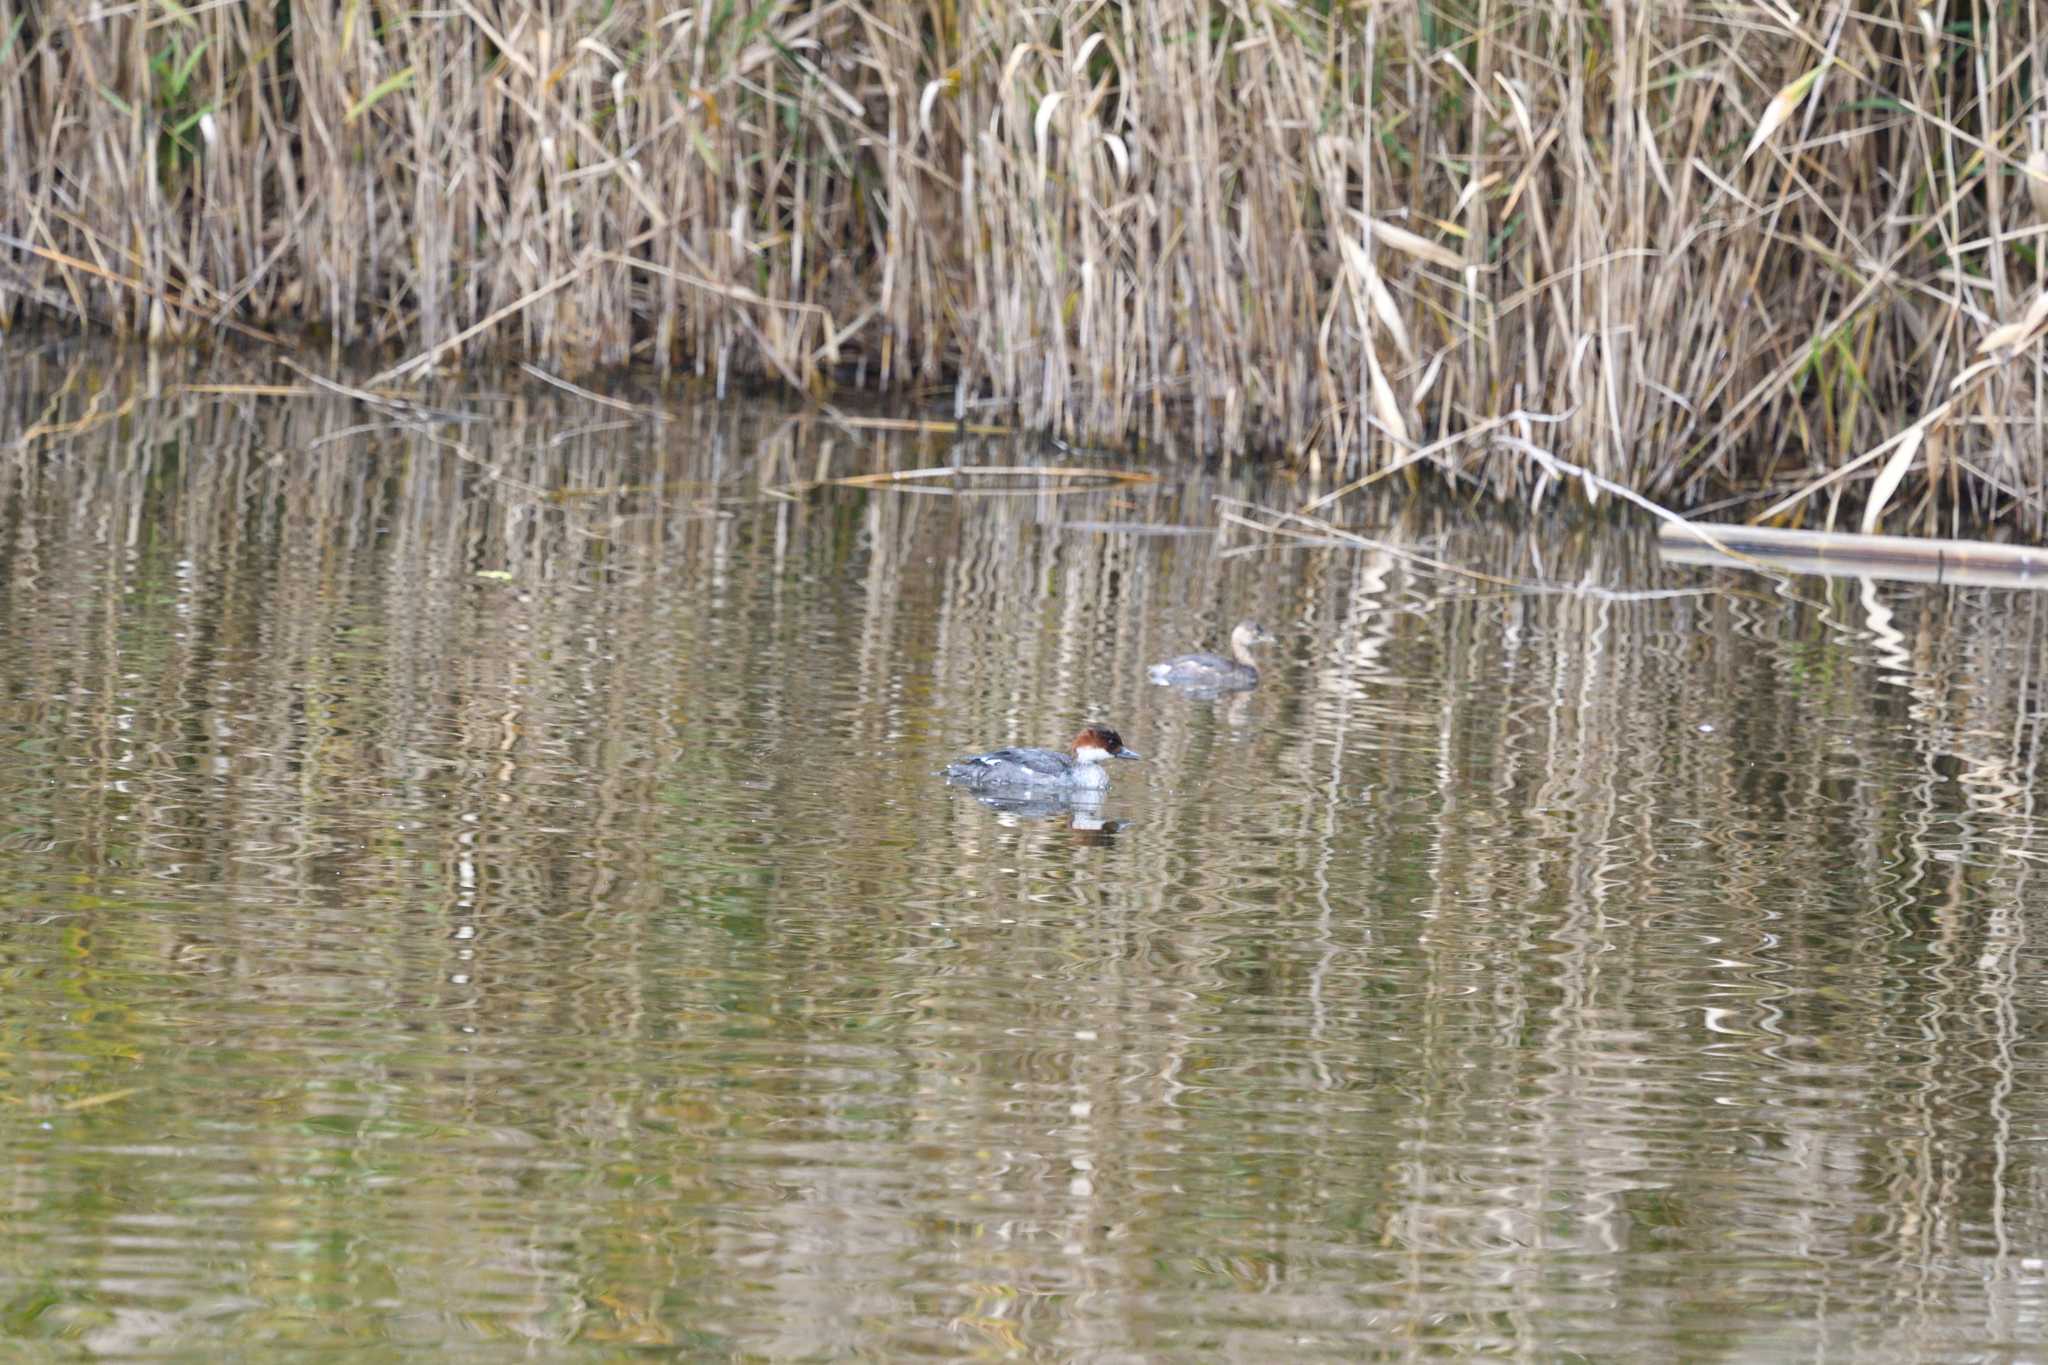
<point>583,955</point>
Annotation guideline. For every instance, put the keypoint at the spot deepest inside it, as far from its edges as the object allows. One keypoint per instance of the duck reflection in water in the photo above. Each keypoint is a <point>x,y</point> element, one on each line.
<point>1082,810</point>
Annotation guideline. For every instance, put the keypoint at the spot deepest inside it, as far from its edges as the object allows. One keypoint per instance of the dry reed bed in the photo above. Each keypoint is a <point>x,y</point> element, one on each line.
<point>1723,244</point>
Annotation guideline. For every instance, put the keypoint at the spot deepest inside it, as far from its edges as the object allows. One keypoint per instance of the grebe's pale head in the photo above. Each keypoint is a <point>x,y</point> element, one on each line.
<point>1247,634</point>
<point>1099,742</point>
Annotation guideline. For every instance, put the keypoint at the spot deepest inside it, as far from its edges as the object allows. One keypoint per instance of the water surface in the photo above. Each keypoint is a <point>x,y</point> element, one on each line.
<point>482,887</point>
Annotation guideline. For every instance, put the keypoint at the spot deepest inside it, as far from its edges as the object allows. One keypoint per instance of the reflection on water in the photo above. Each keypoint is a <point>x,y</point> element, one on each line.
<point>488,887</point>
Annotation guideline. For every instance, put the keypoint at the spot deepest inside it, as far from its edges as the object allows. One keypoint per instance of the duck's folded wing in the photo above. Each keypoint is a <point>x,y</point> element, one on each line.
<point>1043,762</point>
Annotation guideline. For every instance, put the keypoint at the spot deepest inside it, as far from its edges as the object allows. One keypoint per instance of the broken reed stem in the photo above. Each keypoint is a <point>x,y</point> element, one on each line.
<point>249,390</point>
<point>395,404</point>
<point>1431,451</point>
<point>519,305</point>
<point>1318,532</point>
<point>921,424</point>
<point>984,471</point>
<point>156,292</point>
<point>591,396</point>
<point>1729,243</point>
<point>1331,531</point>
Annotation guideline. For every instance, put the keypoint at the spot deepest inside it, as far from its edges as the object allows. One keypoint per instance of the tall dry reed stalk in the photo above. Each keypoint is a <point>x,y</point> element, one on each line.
<point>1727,244</point>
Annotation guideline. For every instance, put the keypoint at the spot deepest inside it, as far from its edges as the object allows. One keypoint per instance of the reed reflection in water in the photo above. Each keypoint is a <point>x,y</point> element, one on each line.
<point>485,886</point>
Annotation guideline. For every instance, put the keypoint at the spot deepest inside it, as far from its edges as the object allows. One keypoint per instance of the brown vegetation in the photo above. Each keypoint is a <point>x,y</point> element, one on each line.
<point>1723,244</point>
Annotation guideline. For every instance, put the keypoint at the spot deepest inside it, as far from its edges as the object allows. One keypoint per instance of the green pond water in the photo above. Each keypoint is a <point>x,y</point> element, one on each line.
<point>481,890</point>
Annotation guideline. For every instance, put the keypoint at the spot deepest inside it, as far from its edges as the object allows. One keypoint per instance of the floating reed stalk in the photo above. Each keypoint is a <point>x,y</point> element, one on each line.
<point>1842,554</point>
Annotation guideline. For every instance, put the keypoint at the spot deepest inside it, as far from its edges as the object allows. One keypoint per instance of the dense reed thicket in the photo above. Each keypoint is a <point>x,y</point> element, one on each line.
<point>1689,244</point>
